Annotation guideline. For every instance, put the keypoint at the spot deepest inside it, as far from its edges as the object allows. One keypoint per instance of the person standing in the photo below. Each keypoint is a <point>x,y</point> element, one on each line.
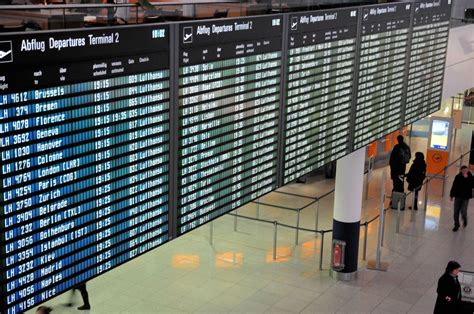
<point>416,175</point>
<point>461,192</point>
<point>399,158</point>
<point>449,290</point>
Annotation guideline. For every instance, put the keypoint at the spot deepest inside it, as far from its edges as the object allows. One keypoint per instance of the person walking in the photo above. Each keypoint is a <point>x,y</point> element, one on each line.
<point>461,192</point>
<point>399,158</point>
<point>449,290</point>
<point>84,294</point>
<point>416,175</point>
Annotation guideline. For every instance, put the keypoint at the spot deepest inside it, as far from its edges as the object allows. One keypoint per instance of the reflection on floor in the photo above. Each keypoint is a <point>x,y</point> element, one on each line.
<point>237,272</point>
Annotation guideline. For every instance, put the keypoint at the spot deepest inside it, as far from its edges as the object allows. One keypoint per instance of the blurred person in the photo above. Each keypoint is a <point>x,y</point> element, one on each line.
<point>43,310</point>
<point>416,175</point>
<point>85,297</point>
<point>461,192</point>
<point>449,291</point>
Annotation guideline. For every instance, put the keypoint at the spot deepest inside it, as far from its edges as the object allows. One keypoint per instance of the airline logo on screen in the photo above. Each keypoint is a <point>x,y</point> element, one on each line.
<point>187,35</point>
<point>294,23</point>
<point>6,54</point>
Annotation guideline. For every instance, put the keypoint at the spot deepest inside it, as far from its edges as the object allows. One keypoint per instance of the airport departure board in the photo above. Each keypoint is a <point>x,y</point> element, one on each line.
<point>427,58</point>
<point>116,140</point>
<point>321,60</point>
<point>382,69</point>
<point>84,159</point>
<point>229,93</point>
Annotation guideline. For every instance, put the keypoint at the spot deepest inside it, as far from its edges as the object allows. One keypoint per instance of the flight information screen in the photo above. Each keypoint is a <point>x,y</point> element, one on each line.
<point>427,58</point>
<point>321,55</point>
<point>84,158</point>
<point>229,92</point>
<point>382,69</point>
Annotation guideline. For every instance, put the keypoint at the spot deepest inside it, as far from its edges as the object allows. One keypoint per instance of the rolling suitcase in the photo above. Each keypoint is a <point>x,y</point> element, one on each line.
<point>396,196</point>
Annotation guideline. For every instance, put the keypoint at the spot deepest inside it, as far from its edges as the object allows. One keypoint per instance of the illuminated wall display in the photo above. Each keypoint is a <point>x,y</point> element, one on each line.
<point>321,60</point>
<point>84,157</point>
<point>229,92</point>
<point>427,59</point>
<point>440,133</point>
<point>111,145</point>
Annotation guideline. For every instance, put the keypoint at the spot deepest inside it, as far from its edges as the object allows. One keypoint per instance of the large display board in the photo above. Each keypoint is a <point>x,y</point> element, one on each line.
<point>321,62</point>
<point>427,58</point>
<point>112,145</point>
<point>382,68</point>
<point>229,93</point>
<point>84,159</point>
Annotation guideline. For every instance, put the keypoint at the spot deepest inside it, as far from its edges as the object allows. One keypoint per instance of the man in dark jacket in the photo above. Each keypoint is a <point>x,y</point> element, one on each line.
<point>449,291</point>
<point>399,158</point>
<point>461,192</point>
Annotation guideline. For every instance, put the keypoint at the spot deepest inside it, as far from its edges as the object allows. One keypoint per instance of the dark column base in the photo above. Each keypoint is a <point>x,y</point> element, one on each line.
<point>348,232</point>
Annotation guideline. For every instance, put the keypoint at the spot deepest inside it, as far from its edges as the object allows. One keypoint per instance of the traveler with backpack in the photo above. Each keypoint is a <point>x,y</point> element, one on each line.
<point>399,158</point>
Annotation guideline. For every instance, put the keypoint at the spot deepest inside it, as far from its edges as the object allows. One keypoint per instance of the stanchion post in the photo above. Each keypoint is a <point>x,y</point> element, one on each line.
<point>316,222</point>
<point>413,204</point>
<point>381,222</point>
<point>460,161</point>
<point>411,135</point>
<point>426,194</point>
<point>399,208</point>
<point>364,254</point>
<point>377,264</point>
<point>258,208</point>
<point>235,221</point>
<point>211,232</point>
<point>367,182</point>
<point>297,234</point>
<point>275,227</point>
<point>321,252</point>
<point>445,178</point>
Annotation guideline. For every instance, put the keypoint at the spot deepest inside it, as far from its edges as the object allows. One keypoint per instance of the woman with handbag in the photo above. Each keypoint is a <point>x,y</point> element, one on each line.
<point>416,175</point>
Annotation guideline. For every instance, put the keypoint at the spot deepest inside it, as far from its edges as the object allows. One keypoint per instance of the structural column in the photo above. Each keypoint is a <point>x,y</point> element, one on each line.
<point>347,211</point>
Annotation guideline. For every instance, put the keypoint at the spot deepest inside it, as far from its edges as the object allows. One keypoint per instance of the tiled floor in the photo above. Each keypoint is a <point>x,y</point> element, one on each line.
<point>238,274</point>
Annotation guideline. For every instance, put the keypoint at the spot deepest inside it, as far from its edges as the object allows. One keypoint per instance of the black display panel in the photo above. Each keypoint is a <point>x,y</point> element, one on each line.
<point>84,159</point>
<point>427,58</point>
<point>382,68</point>
<point>229,93</point>
<point>321,62</point>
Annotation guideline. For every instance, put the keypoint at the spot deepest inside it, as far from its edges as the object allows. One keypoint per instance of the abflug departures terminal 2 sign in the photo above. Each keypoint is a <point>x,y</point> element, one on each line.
<point>321,61</point>
<point>111,146</point>
<point>84,159</point>
<point>229,92</point>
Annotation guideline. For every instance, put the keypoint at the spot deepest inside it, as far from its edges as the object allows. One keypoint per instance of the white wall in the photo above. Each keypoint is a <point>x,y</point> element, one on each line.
<point>459,74</point>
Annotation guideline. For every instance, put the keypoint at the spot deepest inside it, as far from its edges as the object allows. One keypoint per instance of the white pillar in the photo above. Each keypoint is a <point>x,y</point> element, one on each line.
<point>348,208</point>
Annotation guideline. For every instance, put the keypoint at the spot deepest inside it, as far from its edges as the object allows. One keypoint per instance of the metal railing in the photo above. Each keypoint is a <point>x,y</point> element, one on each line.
<point>440,175</point>
<point>297,228</point>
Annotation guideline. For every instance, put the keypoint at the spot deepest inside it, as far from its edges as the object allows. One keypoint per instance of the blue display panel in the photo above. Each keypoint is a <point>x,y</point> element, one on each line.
<point>85,156</point>
<point>229,93</point>
<point>429,44</point>
<point>321,61</point>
